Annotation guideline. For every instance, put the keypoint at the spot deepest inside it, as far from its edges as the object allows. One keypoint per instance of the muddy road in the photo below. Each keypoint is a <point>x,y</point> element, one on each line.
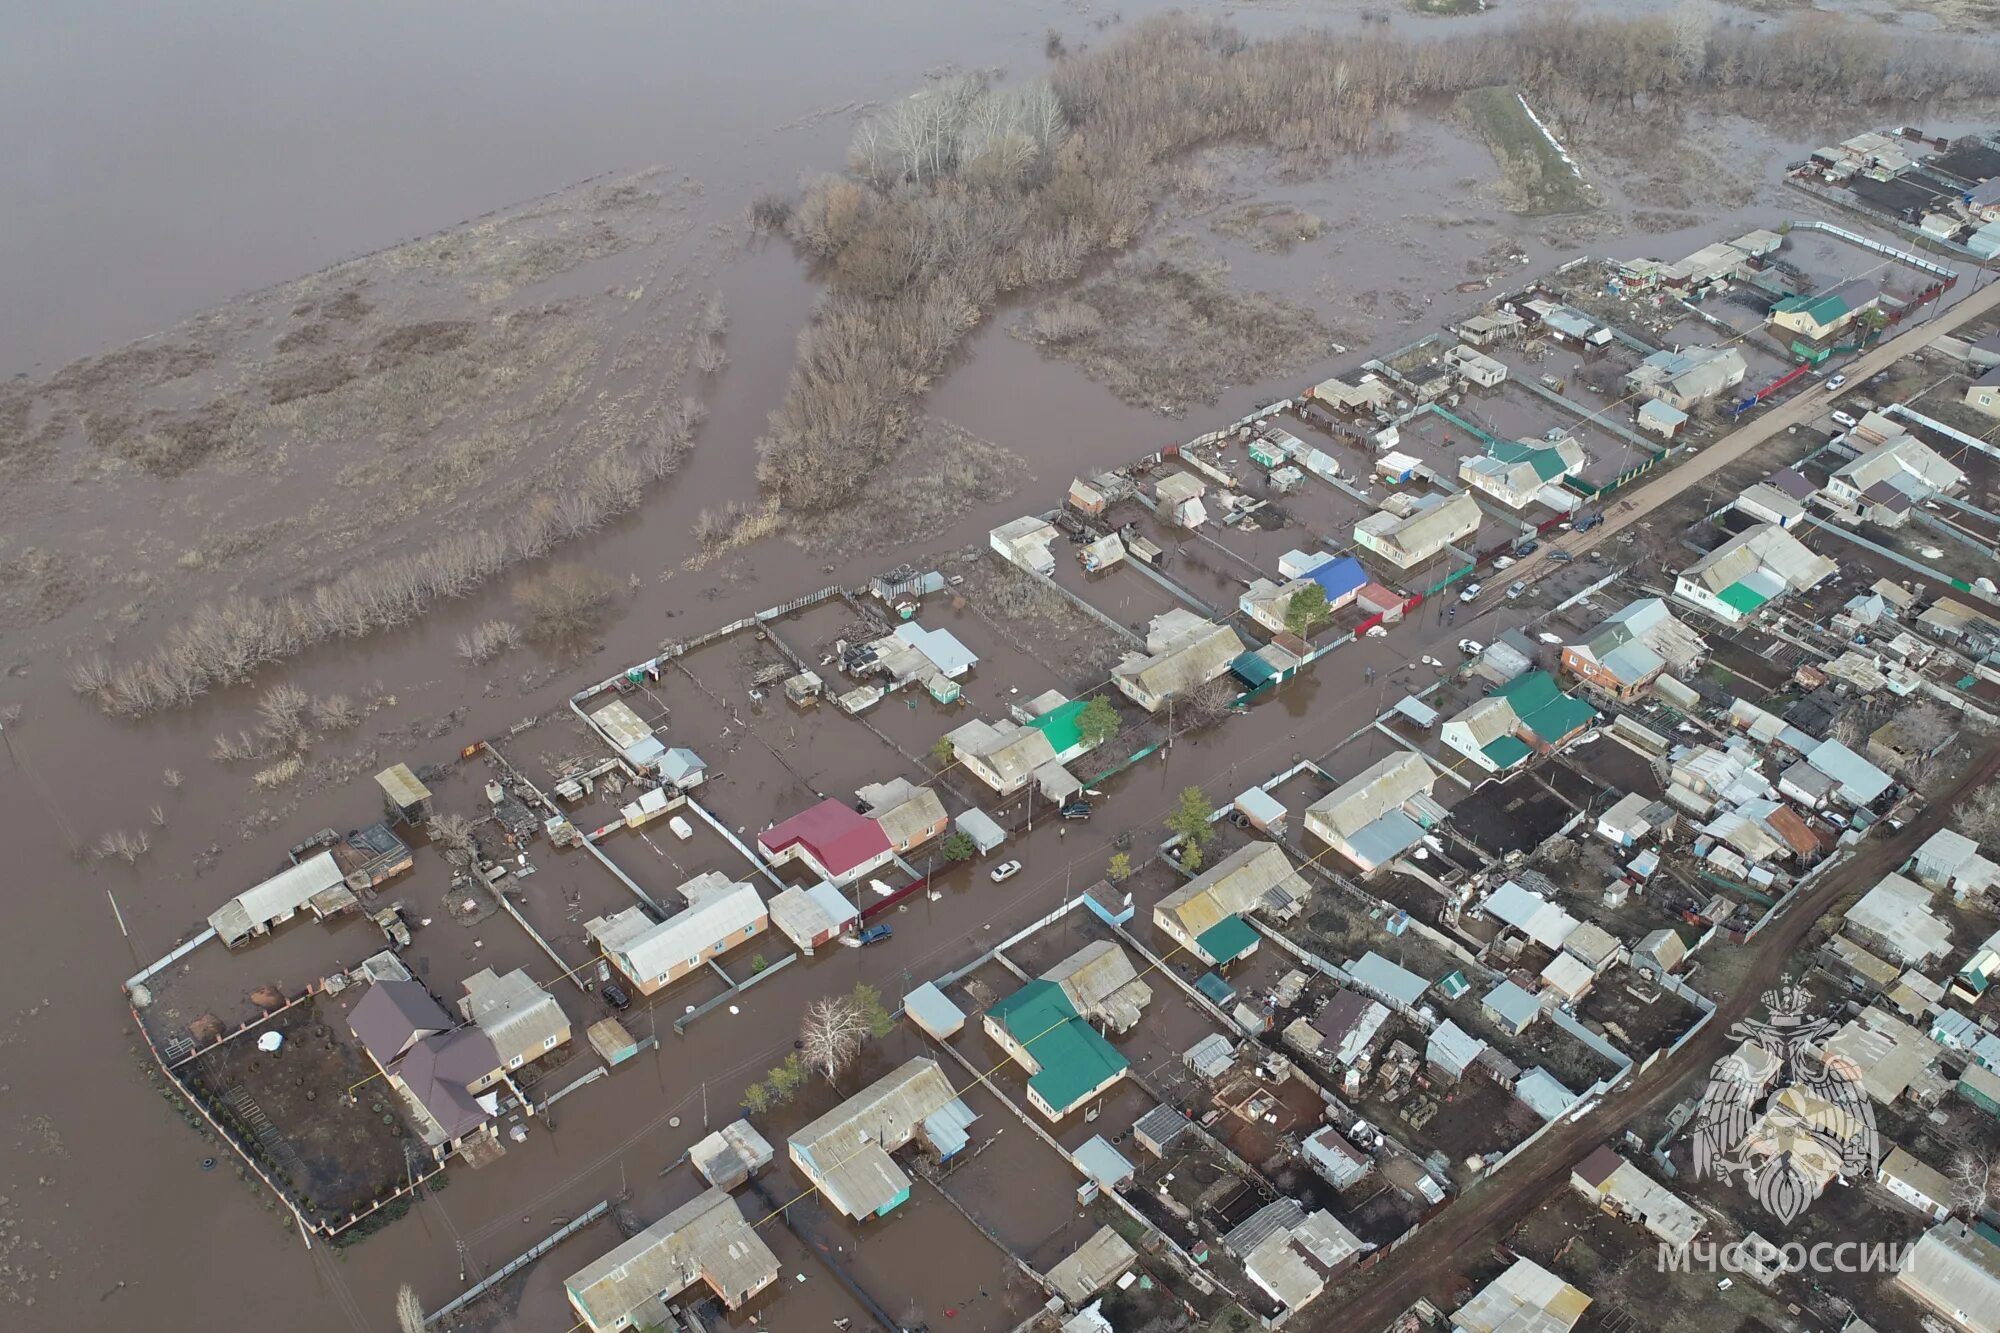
<point>315,139</point>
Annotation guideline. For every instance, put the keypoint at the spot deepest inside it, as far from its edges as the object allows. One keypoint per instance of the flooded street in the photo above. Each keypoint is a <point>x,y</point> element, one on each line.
<point>166,161</point>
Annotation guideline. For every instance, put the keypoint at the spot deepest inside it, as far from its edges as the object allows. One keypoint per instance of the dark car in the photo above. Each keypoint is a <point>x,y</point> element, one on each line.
<point>615,996</point>
<point>1527,548</point>
<point>1560,557</point>
<point>1588,521</point>
<point>1076,810</point>
<point>875,934</point>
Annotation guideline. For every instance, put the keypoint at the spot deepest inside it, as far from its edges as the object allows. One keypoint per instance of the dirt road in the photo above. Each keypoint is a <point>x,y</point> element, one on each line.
<point>1794,411</point>
<point>1443,1248</point>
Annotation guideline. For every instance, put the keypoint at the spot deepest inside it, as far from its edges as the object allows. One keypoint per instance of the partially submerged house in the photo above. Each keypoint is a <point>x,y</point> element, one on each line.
<point>846,1152</point>
<point>652,954</point>
<point>908,815</point>
<point>1205,916</point>
<point>812,916</point>
<point>1519,473</point>
<point>1687,378</point>
<point>1379,814</point>
<point>522,1020</point>
<point>1422,532</point>
<point>1183,653</point>
<point>316,884</point>
<point>1102,985</point>
<point>1027,542</point>
<point>1067,1061</point>
<point>1007,756</point>
<point>1758,565</point>
<point>443,1072</point>
<point>706,1240</point>
<point>831,839</point>
<point>1529,715</point>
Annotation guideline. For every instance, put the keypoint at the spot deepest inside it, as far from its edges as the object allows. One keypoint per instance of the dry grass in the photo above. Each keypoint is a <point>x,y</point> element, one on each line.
<point>1269,227</point>
<point>431,390</point>
<point>1170,331</point>
<point>942,472</point>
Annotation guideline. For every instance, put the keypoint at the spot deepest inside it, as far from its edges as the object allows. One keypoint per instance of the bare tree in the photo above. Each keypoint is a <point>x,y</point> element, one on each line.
<point>1978,815</point>
<point>1975,1180</point>
<point>1922,730</point>
<point>834,1028</point>
<point>453,833</point>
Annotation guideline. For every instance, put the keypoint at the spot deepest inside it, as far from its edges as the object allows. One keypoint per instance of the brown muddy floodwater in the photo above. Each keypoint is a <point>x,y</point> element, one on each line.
<point>162,160</point>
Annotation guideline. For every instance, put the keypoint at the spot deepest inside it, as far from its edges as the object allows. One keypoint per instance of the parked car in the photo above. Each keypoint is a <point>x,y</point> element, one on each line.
<point>615,996</point>
<point>1471,647</point>
<point>1472,591</point>
<point>1835,383</point>
<point>1586,522</point>
<point>1527,548</point>
<point>1076,810</point>
<point>876,934</point>
<point>1503,562</point>
<point>1843,419</point>
<point>1516,588</point>
<point>1560,557</point>
<point>1005,871</point>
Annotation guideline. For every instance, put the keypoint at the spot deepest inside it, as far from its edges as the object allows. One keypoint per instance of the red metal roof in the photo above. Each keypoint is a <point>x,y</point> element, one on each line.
<point>839,838</point>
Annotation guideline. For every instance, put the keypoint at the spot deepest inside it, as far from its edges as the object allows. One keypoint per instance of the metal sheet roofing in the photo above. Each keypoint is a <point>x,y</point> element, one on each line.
<point>1227,940</point>
<point>1075,1061</point>
<point>837,836</point>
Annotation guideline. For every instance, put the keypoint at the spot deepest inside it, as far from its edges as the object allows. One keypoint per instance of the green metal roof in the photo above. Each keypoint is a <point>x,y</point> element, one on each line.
<point>1253,670</point>
<point>1824,309</point>
<point>1227,940</point>
<point>1075,1060</point>
<point>1060,726</point>
<point>1454,985</point>
<point>1544,709</point>
<point>1506,751</point>
<point>1548,464</point>
<point>1742,597</point>
<point>1215,988</point>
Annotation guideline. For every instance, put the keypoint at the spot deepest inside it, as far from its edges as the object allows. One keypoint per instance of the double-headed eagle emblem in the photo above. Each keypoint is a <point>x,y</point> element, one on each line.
<point>1781,1114</point>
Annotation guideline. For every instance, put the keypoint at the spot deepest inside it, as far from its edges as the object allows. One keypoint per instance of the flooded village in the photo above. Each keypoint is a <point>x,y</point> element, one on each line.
<point>1493,825</point>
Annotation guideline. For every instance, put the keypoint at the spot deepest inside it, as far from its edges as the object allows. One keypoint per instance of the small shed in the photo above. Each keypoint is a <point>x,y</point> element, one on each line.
<point>406,798</point>
<point>1160,1129</point>
<point>1662,418</point>
<point>731,1155</point>
<point>683,767</point>
<point>609,1039</point>
<point>933,1011</point>
<point>979,826</point>
<point>1512,1009</point>
<point>1210,1057</point>
<point>1095,1265</point>
<point>1104,1163</point>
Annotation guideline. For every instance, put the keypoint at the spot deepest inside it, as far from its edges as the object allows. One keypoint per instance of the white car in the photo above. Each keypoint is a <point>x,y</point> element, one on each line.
<point>1843,419</point>
<point>1835,382</point>
<point>1005,871</point>
<point>1471,647</point>
<point>1504,562</point>
<point>1516,589</point>
<point>1472,591</point>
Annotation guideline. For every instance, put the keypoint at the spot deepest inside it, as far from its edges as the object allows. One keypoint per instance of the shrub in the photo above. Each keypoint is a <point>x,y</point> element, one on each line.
<point>565,604</point>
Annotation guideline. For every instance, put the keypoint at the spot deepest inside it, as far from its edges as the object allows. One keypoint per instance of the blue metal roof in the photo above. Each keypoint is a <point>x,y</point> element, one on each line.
<point>1340,577</point>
